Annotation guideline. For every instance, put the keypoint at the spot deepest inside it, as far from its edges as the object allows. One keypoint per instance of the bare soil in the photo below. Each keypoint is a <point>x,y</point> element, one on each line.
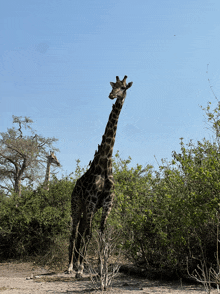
<point>26,277</point>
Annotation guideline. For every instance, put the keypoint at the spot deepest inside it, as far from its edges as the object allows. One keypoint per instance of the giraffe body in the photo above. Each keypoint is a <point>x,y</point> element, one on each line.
<point>95,189</point>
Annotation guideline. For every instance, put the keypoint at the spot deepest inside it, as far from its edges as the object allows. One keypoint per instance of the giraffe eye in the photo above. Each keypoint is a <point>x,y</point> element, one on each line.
<point>123,88</point>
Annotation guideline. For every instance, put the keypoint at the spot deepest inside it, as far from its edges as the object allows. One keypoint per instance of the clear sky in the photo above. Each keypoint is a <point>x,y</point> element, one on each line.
<point>58,57</point>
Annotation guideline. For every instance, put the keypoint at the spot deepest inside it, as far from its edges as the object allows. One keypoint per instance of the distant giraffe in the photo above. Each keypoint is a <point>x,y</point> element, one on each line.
<point>95,189</point>
<point>51,159</point>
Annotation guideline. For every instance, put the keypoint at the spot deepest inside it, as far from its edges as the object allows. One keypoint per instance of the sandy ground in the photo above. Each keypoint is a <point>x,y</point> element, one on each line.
<point>27,278</point>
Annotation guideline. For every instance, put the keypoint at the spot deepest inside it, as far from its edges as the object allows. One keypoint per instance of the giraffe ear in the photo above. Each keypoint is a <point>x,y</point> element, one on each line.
<point>129,85</point>
<point>112,84</point>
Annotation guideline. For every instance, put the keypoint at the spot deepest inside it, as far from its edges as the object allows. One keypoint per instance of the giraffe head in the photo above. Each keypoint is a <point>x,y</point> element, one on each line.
<point>119,88</point>
<point>52,158</point>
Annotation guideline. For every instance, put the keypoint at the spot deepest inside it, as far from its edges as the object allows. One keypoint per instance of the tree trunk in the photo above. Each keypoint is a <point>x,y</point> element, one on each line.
<point>17,186</point>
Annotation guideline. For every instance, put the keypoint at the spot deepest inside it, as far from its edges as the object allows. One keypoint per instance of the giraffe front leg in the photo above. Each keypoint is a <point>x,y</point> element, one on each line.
<point>76,215</point>
<point>70,266</point>
<point>72,246</point>
<point>86,233</point>
<point>80,248</point>
<point>107,206</point>
<point>106,209</point>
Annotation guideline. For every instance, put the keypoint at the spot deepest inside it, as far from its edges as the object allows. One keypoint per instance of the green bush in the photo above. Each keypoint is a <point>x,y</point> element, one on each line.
<point>31,223</point>
<point>164,216</point>
<point>169,215</point>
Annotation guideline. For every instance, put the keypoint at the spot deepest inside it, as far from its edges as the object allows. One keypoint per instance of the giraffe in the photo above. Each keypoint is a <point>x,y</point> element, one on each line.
<point>95,189</point>
<point>51,159</point>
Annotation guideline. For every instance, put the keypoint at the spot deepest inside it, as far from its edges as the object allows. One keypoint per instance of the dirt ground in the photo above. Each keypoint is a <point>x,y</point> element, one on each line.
<point>28,278</point>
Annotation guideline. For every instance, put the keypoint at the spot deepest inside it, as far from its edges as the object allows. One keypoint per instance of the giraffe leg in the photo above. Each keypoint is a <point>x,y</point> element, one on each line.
<point>76,215</point>
<point>78,249</point>
<point>107,206</point>
<point>82,256</point>
<point>86,236</point>
<point>106,209</point>
<point>78,245</point>
<point>72,258</point>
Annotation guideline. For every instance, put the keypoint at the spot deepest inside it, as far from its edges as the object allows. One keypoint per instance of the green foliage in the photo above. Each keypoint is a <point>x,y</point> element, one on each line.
<point>169,215</point>
<point>133,204</point>
<point>31,223</point>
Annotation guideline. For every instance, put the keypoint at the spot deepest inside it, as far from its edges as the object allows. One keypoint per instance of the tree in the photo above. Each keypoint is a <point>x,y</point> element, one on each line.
<point>22,154</point>
<point>213,119</point>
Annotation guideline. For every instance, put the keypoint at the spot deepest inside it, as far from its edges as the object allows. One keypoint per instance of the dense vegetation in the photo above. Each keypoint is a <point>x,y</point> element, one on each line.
<point>165,216</point>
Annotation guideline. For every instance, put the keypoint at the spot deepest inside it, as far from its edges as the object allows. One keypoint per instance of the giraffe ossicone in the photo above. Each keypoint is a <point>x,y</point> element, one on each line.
<point>95,189</point>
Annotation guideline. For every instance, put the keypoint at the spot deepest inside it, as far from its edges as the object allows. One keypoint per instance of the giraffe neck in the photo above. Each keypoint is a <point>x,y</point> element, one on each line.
<point>103,156</point>
<point>47,176</point>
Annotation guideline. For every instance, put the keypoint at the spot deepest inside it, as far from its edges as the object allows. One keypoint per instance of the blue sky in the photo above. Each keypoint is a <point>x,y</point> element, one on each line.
<point>58,57</point>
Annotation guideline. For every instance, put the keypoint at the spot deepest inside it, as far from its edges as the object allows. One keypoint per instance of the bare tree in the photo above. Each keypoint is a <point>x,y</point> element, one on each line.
<point>205,275</point>
<point>22,152</point>
<point>108,253</point>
